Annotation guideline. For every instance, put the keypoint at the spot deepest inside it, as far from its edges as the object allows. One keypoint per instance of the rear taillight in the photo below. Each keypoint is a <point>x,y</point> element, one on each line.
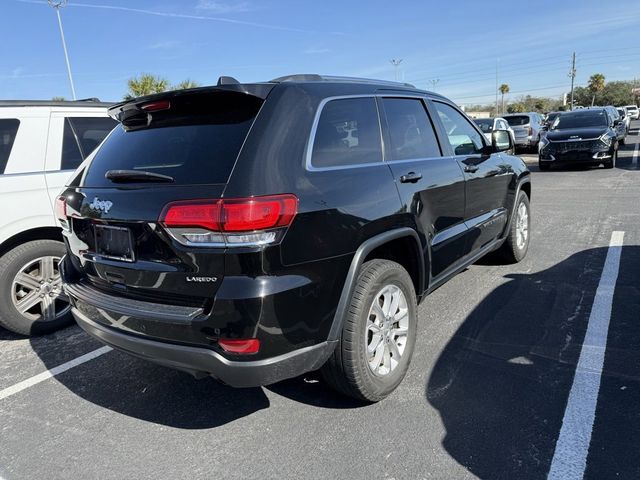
<point>240,347</point>
<point>156,106</point>
<point>60,210</point>
<point>530,130</point>
<point>241,221</point>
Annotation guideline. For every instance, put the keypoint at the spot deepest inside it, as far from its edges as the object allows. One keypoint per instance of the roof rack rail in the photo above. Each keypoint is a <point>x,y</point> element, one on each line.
<point>314,77</point>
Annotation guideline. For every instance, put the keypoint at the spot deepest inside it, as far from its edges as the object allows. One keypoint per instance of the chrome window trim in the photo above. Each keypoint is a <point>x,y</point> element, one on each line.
<point>314,127</point>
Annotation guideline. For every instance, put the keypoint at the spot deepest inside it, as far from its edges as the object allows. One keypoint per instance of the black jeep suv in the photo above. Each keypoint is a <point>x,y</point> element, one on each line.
<point>254,232</point>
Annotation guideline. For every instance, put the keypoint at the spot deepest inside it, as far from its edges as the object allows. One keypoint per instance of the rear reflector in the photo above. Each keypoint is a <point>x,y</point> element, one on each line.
<point>241,347</point>
<point>232,215</point>
<point>61,208</point>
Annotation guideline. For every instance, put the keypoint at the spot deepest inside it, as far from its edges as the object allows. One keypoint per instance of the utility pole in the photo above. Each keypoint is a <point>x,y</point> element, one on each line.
<point>57,5</point>
<point>497,60</point>
<point>434,82</point>
<point>572,74</point>
<point>396,63</point>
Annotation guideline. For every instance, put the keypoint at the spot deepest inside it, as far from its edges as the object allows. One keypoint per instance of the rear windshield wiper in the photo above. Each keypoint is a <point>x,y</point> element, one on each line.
<point>124,176</point>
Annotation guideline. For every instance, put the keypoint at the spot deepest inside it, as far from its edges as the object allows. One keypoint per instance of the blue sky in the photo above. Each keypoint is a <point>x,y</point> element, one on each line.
<point>454,43</point>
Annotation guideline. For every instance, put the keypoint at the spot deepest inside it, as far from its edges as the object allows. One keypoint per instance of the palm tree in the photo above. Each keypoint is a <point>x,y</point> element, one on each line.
<point>504,88</point>
<point>596,85</point>
<point>188,83</point>
<point>146,84</point>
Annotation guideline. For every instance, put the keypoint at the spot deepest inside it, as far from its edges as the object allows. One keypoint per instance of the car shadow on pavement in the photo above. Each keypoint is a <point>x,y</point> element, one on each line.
<point>501,383</point>
<point>143,390</point>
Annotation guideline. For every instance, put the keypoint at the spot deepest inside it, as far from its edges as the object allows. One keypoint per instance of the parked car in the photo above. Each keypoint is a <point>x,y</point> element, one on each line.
<point>232,231</point>
<point>586,136</point>
<point>527,128</point>
<point>625,118</point>
<point>632,111</point>
<point>41,144</point>
<point>488,125</point>
<point>616,122</point>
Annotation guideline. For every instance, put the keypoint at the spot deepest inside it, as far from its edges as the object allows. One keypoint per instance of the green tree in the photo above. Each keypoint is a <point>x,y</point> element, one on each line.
<point>504,88</point>
<point>596,85</point>
<point>517,107</point>
<point>188,83</point>
<point>145,84</point>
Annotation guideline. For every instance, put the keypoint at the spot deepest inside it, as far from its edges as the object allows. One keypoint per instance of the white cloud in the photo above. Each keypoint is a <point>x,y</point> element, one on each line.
<point>164,45</point>
<point>215,6</point>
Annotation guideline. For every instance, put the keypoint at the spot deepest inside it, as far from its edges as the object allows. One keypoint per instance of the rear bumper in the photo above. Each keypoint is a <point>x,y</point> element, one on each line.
<point>202,361</point>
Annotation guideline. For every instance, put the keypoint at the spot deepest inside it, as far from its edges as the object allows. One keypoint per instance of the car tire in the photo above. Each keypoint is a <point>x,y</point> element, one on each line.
<point>374,350</point>
<point>516,244</point>
<point>612,163</point>
<point>29,271</point>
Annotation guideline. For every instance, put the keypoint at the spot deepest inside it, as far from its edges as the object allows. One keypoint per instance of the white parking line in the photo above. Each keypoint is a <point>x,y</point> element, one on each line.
<point>41,377</point>
<point>634,161</point>
<point>570,457</point>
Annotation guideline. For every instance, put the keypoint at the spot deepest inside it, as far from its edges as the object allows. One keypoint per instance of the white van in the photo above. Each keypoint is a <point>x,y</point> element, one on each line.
<point>41,144</point>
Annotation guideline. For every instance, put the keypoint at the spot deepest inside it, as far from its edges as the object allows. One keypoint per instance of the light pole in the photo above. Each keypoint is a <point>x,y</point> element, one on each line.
<point>396,63</point>
<point>57,5</point>
<point>434,82</point>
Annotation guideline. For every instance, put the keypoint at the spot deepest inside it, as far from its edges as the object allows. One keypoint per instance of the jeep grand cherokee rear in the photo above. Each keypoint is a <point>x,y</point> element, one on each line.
<point>254,232</point>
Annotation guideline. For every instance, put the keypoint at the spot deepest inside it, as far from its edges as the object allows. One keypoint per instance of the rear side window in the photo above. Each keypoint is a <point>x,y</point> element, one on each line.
<point>196,141</point>
<point>348,133</point>
<point>81,136</point>
<point>411,131</point>
<point>8,131</point>
<point>517,120</point>
<point>463,137</point>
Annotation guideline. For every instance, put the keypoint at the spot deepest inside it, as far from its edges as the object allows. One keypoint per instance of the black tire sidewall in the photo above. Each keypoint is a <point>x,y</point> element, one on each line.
<point>520,253</point>
<point>378,387</point>
<point>10,264</point>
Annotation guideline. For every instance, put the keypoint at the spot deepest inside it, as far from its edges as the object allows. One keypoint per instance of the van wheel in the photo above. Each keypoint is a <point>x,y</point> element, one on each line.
<point>31,298</point>
<point>378,334</point>
<point>516,245</point>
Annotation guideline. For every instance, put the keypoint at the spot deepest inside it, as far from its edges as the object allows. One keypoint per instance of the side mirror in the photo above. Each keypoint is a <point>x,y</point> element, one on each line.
<point>501,141</point>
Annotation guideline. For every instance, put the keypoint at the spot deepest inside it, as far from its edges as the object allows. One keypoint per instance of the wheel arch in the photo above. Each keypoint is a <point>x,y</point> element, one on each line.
<point>386,246</point>
<point>39,233</point>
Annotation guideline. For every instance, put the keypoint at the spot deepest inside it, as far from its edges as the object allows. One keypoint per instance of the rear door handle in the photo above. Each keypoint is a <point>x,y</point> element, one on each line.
<point>411,177</point>
<point>471,168</point>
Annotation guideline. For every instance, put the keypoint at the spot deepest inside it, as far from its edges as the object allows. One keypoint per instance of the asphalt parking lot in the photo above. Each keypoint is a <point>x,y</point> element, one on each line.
<point>494,371</point>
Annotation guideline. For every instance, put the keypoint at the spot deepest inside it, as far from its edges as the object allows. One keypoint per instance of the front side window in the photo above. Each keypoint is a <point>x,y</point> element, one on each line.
<point>81,136</point>
<point>410,129</point>
<point>348,133</point>
<point>463,138</point>
<point>8,131</point>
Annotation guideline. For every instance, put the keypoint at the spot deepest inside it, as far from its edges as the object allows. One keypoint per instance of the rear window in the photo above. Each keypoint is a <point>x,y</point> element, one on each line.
<point>485,124</point>
<point>196,141</point>
<point>8,131</point>
<point>517,120</point>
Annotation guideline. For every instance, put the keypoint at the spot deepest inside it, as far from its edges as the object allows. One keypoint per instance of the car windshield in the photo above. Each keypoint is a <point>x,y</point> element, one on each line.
<point>517,120</point>
<point>485,124</point>
<point>582,119</point>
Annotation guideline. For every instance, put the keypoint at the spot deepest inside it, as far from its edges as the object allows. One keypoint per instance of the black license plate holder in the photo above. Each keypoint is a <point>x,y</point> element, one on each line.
<point>113,242</point>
